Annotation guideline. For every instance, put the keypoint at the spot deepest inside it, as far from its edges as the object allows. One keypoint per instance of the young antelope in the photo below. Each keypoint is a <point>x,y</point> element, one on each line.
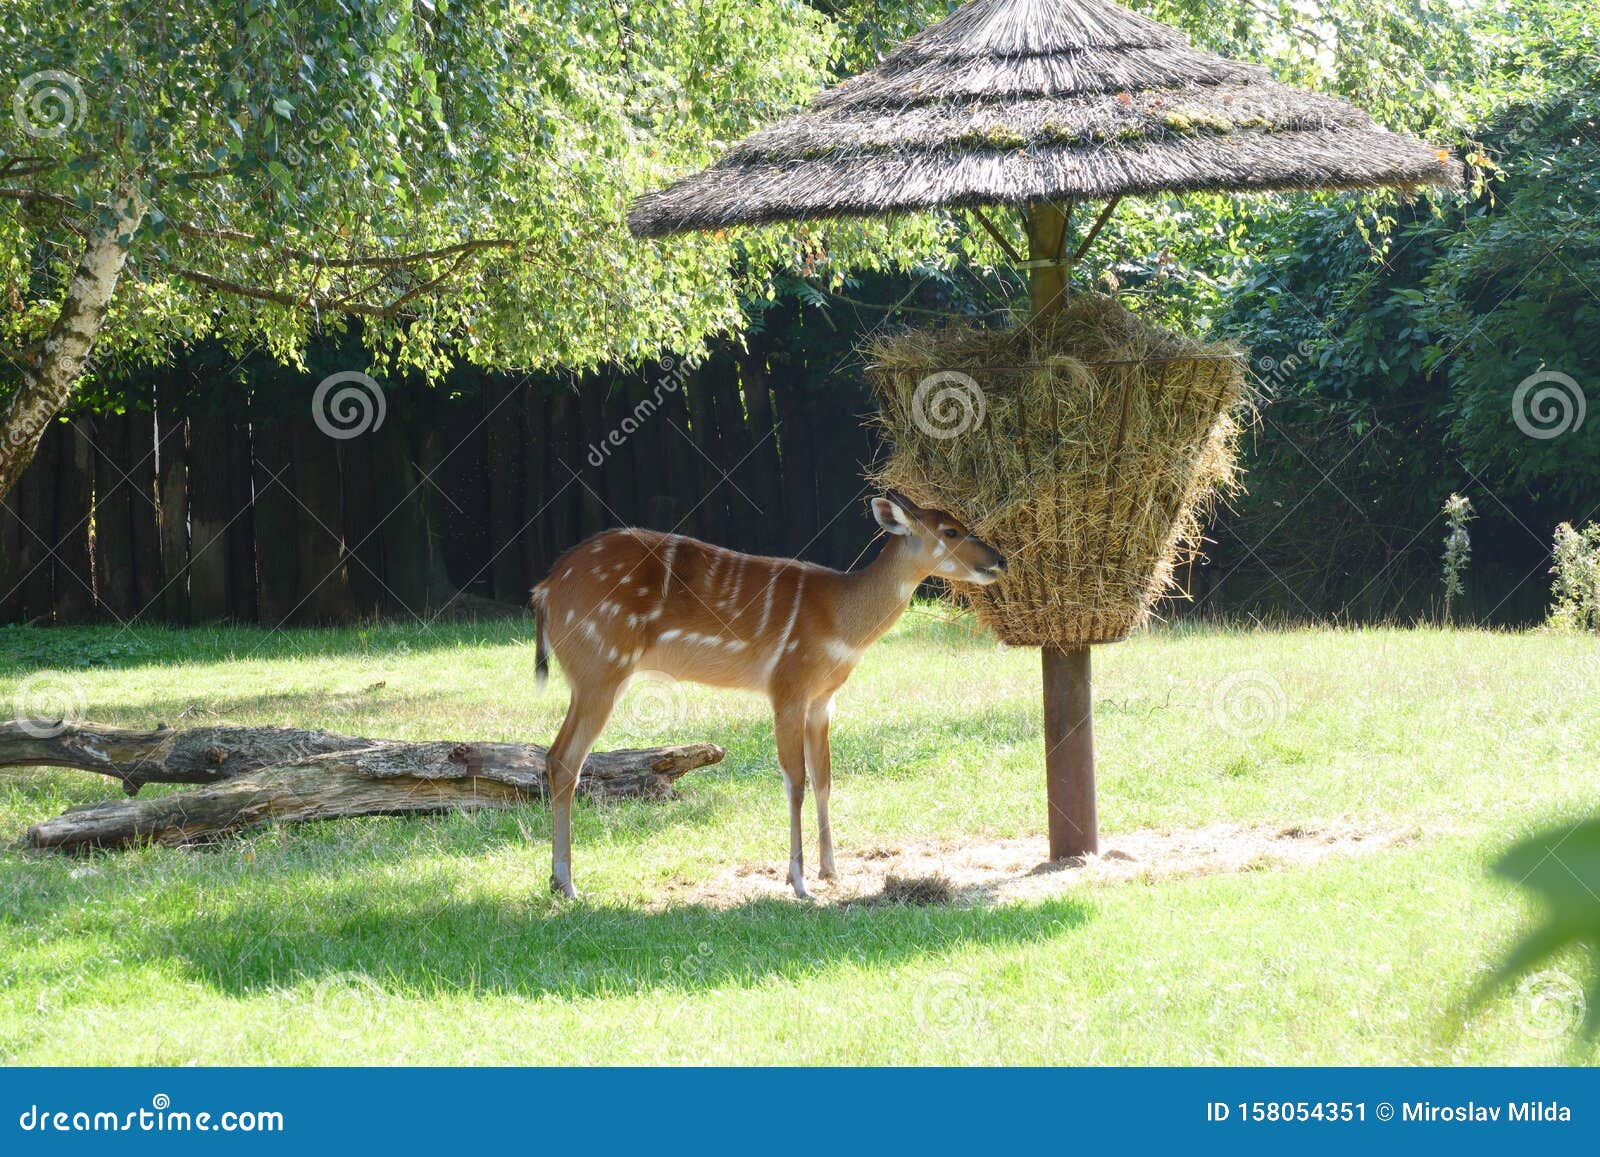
<point>631,600</point>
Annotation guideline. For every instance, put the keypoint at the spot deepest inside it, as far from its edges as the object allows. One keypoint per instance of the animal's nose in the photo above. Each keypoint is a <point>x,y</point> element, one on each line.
<point>999,563</point>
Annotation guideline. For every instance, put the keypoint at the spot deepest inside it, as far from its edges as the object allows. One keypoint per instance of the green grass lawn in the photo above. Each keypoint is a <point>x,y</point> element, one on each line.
<point>435,941</point>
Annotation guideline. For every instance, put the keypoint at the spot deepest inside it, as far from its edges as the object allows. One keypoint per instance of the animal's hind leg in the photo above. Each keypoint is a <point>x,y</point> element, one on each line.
<point>789,726</point>
<point>586,718</point>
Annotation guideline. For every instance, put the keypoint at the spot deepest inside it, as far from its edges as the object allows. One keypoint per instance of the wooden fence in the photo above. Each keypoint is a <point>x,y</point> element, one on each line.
<point>205,500</point>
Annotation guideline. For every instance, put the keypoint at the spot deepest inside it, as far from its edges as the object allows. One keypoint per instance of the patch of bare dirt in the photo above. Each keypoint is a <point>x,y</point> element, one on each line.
<point>1014,870</point>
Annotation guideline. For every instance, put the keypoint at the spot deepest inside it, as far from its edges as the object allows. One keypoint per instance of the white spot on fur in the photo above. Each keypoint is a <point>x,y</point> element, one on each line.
<point>840,651</point>
<point>668,635</point>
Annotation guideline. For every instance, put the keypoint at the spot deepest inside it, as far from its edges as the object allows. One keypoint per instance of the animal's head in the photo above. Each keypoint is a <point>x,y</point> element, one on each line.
<point>941,539</point>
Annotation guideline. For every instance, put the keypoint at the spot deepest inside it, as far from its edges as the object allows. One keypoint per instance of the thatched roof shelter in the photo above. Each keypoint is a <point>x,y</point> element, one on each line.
<point>1087,476</point>
<point>1007,102</point>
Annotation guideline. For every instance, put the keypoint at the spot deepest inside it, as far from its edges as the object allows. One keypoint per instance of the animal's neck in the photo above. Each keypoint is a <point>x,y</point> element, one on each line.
<point>875,596</point>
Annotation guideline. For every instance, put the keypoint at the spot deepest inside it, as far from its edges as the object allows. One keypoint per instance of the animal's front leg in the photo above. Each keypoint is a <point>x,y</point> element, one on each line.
<point>789,722</point>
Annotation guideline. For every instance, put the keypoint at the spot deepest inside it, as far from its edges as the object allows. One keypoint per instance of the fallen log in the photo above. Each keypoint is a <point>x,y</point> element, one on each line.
<point>192,755</point>
<point>359,777</point>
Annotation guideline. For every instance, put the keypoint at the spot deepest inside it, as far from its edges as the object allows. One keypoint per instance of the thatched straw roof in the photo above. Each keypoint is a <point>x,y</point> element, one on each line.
<point>1011,101</point>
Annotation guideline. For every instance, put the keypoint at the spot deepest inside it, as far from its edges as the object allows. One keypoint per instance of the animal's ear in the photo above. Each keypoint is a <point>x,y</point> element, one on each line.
<point>904,503</point>
<point>891,514</point>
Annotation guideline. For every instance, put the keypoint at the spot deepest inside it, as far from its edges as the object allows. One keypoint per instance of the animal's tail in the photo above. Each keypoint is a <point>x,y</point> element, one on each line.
<point>541,646</point>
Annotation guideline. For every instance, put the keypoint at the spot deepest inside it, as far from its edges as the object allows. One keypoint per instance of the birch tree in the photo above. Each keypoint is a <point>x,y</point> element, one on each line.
<point>454,174</point>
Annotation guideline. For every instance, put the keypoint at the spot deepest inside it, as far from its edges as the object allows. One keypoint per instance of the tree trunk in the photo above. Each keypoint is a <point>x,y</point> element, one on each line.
<point>267,774</point>
<point>47,386</point>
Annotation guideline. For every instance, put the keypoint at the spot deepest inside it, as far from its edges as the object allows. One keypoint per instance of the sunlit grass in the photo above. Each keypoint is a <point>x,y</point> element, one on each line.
<point>435,940</point>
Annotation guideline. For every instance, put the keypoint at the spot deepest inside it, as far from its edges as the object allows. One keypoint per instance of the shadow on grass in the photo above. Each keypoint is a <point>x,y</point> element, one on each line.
<point>407,939</point>
<point>25,648</point>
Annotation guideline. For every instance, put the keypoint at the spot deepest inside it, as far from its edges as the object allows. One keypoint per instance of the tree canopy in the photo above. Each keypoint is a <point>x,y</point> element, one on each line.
<point>453,173</point>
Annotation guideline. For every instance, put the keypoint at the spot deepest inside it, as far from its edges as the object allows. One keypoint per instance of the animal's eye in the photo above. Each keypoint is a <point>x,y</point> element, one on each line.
<point>951,532</point>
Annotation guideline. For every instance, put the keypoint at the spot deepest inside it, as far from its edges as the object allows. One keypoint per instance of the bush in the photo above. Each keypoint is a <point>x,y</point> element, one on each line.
<point>1576,590</point>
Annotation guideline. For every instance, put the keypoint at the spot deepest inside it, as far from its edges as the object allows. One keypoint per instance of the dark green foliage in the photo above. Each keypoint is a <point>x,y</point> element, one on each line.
<point>1561,868</point>
<point>1514,293</point>
<point>1391,372</point>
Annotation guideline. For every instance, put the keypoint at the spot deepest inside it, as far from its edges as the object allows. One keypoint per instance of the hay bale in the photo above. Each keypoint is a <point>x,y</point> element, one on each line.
<point>919,891</point>
<point>1084,446</point>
